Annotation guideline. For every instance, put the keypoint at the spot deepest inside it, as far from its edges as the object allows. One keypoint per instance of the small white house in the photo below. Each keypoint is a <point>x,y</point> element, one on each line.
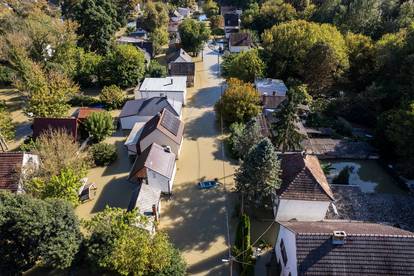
<point>155,166</point>
<point>13,167</point>
<point>165,129</point>
<point>343,248</point>
<point>240,42</point>
<point>174,88</point>
<point>305,194</point>
<point>143,110</point>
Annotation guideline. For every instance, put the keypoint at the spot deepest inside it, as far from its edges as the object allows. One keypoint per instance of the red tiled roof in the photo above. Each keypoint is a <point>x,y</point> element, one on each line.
<point>303,179</point>
<point>84,112</point>
<point>369,249</point>
<point>10,165</point>
<point>41,125</point>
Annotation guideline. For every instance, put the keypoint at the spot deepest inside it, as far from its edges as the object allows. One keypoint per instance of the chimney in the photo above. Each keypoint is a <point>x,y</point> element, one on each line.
<point>167,149</point>
<point>338,237</point>
<point>154,212</point>
<point>172,81</point>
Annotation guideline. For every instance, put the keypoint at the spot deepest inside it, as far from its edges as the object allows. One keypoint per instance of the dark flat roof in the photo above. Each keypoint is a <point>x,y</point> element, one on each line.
<point>146,107</point>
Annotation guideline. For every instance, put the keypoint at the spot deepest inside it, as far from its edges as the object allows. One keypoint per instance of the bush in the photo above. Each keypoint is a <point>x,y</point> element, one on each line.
<point>99,125</point>
<point>103,154</point>
<point>112,96</point>
<point>342,177</point>
<point>6,75</point>
<point>82,100</point>
<point>156,70</point>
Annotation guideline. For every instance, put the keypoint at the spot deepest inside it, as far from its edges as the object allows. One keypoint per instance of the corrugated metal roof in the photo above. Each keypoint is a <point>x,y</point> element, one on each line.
<point>175,84</point>
<point>144,198</point>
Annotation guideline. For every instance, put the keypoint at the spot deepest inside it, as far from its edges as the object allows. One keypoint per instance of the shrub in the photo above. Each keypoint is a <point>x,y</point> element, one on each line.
<point>103,154</point>
<point>99,125</point>
<point>342,177</point>
<point>82,100</point>
<point>156,70</point>
<point>112,96</point>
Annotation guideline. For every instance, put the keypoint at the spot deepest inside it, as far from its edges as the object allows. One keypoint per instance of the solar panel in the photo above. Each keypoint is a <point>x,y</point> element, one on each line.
<point>170,122</point>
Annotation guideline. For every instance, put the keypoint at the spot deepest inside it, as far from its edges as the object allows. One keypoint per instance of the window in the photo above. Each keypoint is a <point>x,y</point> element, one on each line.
<point>283,251</point>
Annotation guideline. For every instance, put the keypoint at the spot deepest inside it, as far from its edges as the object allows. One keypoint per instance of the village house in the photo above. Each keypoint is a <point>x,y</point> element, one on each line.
<point>174,88</point>
<point>13,168</point>
<point>165,129</point>
<point>231,23</point>
<point>143,110</point>
<point>240,42</point>
<point>44,125</point>
<point>155,167</point>
<point>181,64</point>
<point>147,200</point>
<point>343,248</point>
<point>304,194</point>
<point>139,33</point>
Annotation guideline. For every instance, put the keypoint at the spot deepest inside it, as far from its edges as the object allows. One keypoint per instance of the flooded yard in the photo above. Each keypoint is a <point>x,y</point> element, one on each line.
<point>368,175</point>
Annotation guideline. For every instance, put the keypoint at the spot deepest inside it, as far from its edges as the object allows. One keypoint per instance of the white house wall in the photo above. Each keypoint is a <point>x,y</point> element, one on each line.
<point>175,96</point>
<point>301,210</point>
<point>289,241</point>
<point>158,181</point>
<point>30,162</point>
<point>129,122</point>
<point>161,139</point>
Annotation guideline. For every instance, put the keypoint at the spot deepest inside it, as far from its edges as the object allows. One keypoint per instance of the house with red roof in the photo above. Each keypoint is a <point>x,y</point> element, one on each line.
<point>43,125</point>
<point>13,167</point>
<point>304,194</point>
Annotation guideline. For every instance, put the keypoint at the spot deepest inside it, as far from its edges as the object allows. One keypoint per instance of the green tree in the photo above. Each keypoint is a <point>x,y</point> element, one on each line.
<point>193,35</point>
<point>112,96</point>
<point>287,46</point>
<point>287,135</point>
<point>47,92</point>
<point>155,16</point>
<point>406,14</point>
<point>97,24</point>
<point>246,66</point>
<point>239,103</point>
<point>361,52</point>
<point>103,154</point>
<point>38,232</point>
<point>242,247</point>
<point>244,137</point>
<point>65,186</point>
<point>116,242</point>
<point>123,66</point>
<point>211,8</point>
<point>216,22</point>
<point>258,176</point>
<point>7,127</point>
<point>159,38</point>
<point>99,125</point>
<point>156,70</point>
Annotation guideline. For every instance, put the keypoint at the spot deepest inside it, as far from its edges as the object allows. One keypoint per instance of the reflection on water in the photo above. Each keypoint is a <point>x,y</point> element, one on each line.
<point>367,174</point>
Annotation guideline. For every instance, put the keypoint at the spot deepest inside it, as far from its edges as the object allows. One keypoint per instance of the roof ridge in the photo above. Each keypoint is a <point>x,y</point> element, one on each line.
<point>356,234</point>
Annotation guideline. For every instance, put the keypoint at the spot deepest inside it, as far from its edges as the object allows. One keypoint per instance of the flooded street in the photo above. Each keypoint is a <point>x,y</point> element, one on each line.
<point>195,219</point>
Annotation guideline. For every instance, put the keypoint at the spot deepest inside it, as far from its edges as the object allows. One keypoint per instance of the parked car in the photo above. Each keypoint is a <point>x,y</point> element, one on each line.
<point>205,185</point>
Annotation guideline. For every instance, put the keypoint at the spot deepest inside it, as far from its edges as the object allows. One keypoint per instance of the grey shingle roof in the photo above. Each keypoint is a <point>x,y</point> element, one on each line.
<point>144,198</point>
<point>369,249</point>
<point>146,107</point>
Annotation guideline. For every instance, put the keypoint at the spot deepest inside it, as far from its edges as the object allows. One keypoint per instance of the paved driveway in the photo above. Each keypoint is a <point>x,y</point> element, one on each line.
<point>194,219</point>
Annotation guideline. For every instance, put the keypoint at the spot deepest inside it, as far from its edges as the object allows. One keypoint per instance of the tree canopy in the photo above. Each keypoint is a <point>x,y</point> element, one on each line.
<point>34,231</point>
<point>193,35</point>
<point>246,66</point>
<point>239,103</point>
